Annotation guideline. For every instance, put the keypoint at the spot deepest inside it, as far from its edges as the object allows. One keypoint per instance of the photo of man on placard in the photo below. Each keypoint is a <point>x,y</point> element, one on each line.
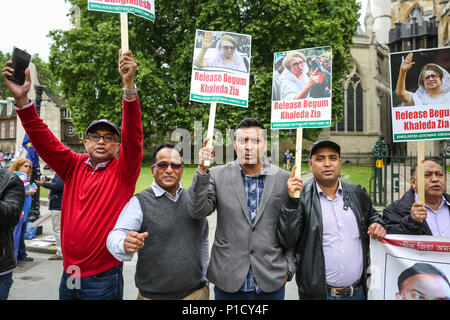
<point>423,281</point>
<point>409,278</point>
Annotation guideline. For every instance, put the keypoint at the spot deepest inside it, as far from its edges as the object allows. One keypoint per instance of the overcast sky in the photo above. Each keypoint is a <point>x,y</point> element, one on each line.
<point>26,23</point>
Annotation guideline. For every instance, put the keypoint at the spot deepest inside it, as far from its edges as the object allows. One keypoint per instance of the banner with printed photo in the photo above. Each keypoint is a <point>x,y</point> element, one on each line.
<point>301,88</point>
<point>141,8</point>
<point>221,68</point>
<point>405,267</point>
<point>420,94</point>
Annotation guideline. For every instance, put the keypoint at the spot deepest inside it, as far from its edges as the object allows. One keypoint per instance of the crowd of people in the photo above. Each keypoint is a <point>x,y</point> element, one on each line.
<point>265,235</point>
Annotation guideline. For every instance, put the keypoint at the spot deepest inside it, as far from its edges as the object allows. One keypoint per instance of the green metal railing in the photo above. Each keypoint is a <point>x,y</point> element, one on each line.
<point>391,172</point>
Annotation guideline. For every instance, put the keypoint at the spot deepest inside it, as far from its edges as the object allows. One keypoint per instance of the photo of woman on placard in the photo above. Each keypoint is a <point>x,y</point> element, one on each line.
<point>228,51</point>
<point>433,84</point>
<point>301,74</point>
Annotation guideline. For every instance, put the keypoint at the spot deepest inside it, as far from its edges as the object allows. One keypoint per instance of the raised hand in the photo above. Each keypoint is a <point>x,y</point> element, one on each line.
<point>407,63</point>
<point>294,183</point>
<point>127,68</point>
<point>315,77</point>
<point>205,154</point>
<point>19,92</point>
<point>418,212</point>
<point>207,40</point>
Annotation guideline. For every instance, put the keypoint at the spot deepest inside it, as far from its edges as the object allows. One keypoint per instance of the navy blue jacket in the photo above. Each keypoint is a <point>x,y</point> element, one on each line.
<point>56,192</point>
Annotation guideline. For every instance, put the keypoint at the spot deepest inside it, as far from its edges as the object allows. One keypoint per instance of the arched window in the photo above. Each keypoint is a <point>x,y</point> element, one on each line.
<point>353,106</point>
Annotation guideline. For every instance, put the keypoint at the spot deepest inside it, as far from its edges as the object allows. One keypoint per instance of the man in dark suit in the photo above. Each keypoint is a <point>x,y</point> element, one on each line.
<point>247,262</point>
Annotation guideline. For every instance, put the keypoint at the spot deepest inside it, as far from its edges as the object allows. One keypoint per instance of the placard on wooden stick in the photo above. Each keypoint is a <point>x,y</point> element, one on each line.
<point>142,8</point>
<point>218,78</point>
<point>210,134</point>
<point>421,171</point>
<point>293,105</point>
<point>298,156</point>
<point>124,31</point>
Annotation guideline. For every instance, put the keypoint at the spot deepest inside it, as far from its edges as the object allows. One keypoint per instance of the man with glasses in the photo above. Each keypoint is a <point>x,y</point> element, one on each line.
<point>172,263</point>
<point>295,83</point>
<point>97,186</point>
<point>247,262</point>
<point>226,55</point>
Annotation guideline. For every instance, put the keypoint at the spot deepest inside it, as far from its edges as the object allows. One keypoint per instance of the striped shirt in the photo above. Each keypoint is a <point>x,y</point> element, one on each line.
<point>254,186</point>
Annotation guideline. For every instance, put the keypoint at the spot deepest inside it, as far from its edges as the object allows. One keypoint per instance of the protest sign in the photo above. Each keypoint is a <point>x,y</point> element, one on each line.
<point>301,92</point>
<point>221,68</point>
<point>301,88</point>
<point>420,88</point>
<point>220,71</point>
<point>420,101</point>
<point>406,267</point>
<point>140,8</point>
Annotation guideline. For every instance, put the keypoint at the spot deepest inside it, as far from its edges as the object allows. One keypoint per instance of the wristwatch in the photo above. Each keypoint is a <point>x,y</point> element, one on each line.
<point>132,91</point>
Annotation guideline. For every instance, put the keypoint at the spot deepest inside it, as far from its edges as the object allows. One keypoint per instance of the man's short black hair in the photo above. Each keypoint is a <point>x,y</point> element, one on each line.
<point>419,268</point>
<point>250,122</point>
<point>166,145</point>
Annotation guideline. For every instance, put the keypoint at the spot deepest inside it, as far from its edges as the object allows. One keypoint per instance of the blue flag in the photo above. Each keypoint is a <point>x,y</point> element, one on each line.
<point>31,152</point>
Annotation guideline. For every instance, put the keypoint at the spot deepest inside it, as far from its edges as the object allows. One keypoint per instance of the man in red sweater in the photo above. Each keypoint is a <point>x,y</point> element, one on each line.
<point>97,185</point>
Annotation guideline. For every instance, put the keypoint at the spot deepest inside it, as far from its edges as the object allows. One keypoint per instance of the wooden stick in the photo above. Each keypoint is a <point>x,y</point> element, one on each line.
<point>124,30</point>
<point>212,119</point>
<point>298,156</point>
<point>421,171</point>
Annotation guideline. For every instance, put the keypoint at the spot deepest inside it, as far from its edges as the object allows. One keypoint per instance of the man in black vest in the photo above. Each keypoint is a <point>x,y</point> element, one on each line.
<point>172,263</point>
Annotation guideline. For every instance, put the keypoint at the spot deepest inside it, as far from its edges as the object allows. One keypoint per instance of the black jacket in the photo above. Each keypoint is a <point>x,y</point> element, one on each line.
<point>300,227</point>
<point>397,216</point>
<point>12,197</point>
<point>56,192</point>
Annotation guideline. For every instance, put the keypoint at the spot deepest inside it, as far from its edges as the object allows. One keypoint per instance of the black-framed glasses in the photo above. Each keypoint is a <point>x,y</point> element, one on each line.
<point>95,137</point>
<point>164,165</point>
<point>432,76</point>
<point>228,48</point>
<point>298,63</point>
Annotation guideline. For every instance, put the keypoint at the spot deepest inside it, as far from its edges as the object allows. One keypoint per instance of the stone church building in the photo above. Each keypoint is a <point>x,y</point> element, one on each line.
<point>389,26</point>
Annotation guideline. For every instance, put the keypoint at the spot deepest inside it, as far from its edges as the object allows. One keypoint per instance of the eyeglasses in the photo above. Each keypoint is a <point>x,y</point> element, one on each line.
<point>228,48</point>
<point>431,77</point>
<point>165,165</point>
<point>95,137</point>
<point>298,63</point>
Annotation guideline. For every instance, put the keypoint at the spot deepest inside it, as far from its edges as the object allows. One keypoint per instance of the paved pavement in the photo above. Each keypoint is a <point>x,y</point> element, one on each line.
<point>39,279</point>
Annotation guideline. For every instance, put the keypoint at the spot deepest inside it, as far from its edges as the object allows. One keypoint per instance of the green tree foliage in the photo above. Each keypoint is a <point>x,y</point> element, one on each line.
<point>4,92</point>
<point>44,74</point>
<point>85,57</point>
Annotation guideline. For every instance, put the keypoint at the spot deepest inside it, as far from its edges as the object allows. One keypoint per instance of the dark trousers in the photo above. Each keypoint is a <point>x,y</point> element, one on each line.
<point>252,295</point>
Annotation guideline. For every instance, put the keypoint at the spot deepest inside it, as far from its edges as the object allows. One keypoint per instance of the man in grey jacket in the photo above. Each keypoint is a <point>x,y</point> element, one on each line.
<point>12,197</point>
<point>247,262</point>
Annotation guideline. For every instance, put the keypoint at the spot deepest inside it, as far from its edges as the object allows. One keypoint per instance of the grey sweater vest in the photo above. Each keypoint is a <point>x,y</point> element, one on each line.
<point>168,265</point>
